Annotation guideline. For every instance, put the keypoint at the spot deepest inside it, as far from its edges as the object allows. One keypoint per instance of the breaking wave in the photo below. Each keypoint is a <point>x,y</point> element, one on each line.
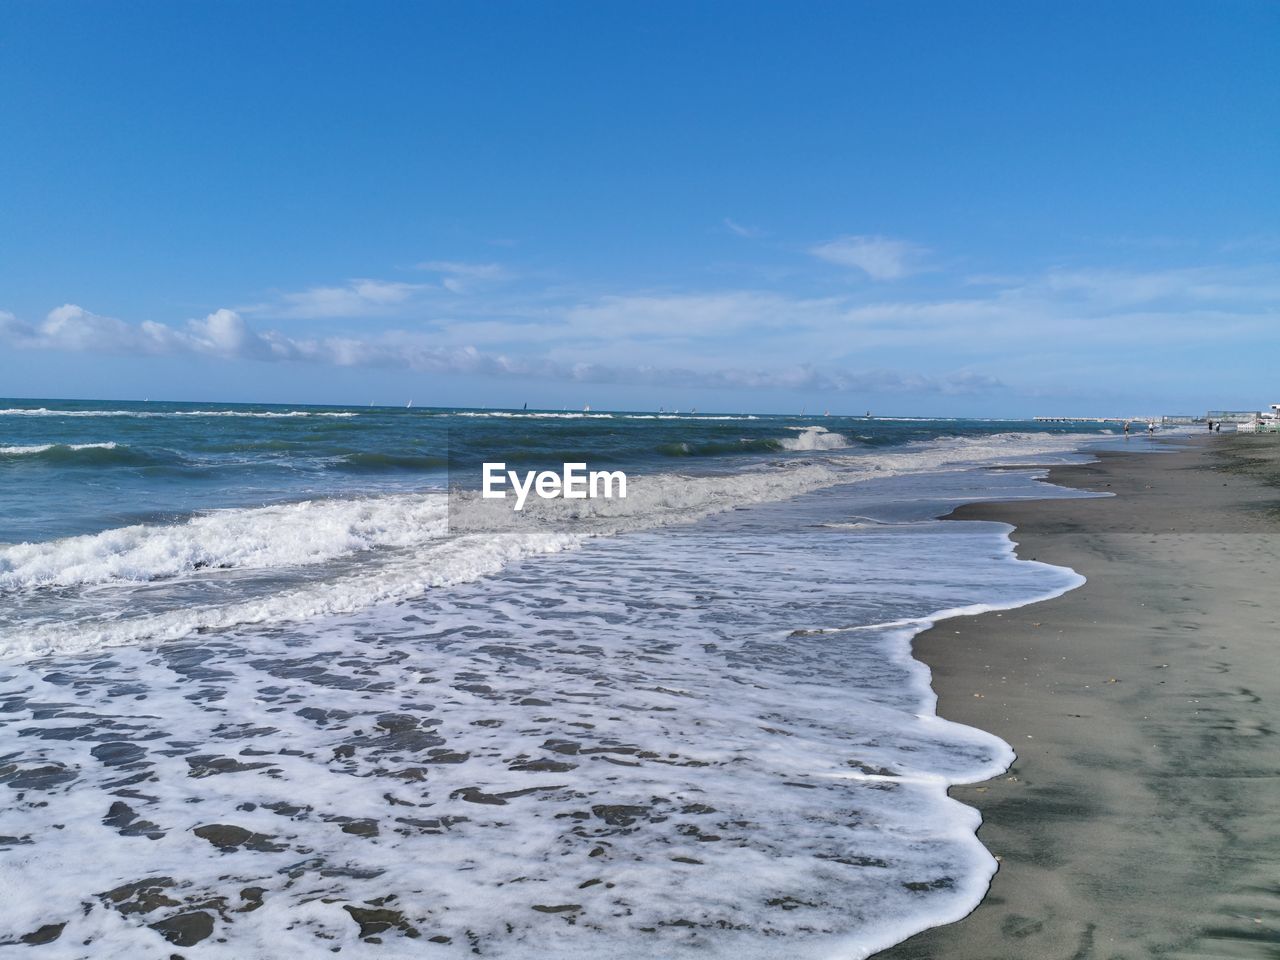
<point>814,438</point>
<point>147,414</point>
<point>290,535</point>
<point>315,558</point>
<point>77,454</point>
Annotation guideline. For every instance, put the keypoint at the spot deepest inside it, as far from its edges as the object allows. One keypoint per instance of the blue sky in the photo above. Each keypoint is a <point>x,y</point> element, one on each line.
<point>916,208</point>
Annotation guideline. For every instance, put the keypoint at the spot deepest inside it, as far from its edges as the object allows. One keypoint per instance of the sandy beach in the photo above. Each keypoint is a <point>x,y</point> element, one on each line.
<point>1140,817</point>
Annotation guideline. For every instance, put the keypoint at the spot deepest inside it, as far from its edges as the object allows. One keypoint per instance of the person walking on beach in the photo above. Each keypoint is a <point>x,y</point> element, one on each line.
<point>1151,428</point>
<point>1126,428</point>
<point>1211,426</point>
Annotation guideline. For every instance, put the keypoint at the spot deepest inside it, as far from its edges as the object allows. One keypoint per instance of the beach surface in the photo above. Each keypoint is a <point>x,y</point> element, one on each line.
<point>1140,818</point>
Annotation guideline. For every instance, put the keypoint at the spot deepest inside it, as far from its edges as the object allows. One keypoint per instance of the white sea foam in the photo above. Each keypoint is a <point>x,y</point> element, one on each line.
<point>584,415</point>
<point>814,438</point>
<point>531,415</point>
<point>412,554</point>
<point>652,500</point>
<point>288,535</point>
<point>44,447</point>
<point>600,754</point>
<point>146,414</point>
<point>339,556</point>
<point>314,532</point>
<point>686,416</point>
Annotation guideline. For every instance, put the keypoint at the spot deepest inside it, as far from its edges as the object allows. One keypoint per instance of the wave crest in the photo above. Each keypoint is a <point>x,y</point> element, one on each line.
<point>77,454</point>
<point>261,538</point>
<point>814,438</point>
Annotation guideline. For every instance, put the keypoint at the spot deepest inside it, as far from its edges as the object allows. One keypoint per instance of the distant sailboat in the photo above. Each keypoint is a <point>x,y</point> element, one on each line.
<point>525,407</point>
<point>409,405</point>
<point>587,408</point>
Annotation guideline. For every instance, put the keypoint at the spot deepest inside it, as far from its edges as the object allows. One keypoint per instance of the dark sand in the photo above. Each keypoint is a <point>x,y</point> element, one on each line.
<point>1142,817</point>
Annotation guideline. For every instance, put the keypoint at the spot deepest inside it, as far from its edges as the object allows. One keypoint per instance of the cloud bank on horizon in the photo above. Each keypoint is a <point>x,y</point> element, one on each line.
<point>484,320</point>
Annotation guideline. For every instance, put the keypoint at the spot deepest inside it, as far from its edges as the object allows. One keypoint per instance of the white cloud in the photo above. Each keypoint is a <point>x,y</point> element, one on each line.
<point>459,277</point>
<point>226,335</point>
<point>475,271</point>
<point>880,258</point>
<point>372,298</point>
<point>1199,284</point>
<point>696,315</point>
<point>742,230</point>
<point>734,338</point>
<point>223,333</point>
<point>70,327</point>
<point>356,298</point>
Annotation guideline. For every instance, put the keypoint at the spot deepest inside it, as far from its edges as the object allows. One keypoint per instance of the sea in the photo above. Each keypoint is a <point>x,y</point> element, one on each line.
<point>272,683</point>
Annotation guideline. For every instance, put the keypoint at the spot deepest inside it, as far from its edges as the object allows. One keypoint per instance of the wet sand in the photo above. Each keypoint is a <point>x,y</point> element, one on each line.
<point>1142,817</point>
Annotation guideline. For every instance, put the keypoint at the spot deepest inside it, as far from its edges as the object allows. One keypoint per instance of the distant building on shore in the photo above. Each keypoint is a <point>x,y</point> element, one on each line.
<point>1268,422</point>
<point>1096,419</point>
<point>1232,416</point>
<point>1242,421</point>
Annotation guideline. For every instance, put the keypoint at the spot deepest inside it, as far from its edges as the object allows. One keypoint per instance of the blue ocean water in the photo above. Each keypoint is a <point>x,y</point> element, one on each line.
<point>250,648</point>
<point>76,467</point>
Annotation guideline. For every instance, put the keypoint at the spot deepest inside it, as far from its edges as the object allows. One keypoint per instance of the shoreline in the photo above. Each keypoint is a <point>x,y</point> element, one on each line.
<point>1134,820</point>
<point>561,756</point>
